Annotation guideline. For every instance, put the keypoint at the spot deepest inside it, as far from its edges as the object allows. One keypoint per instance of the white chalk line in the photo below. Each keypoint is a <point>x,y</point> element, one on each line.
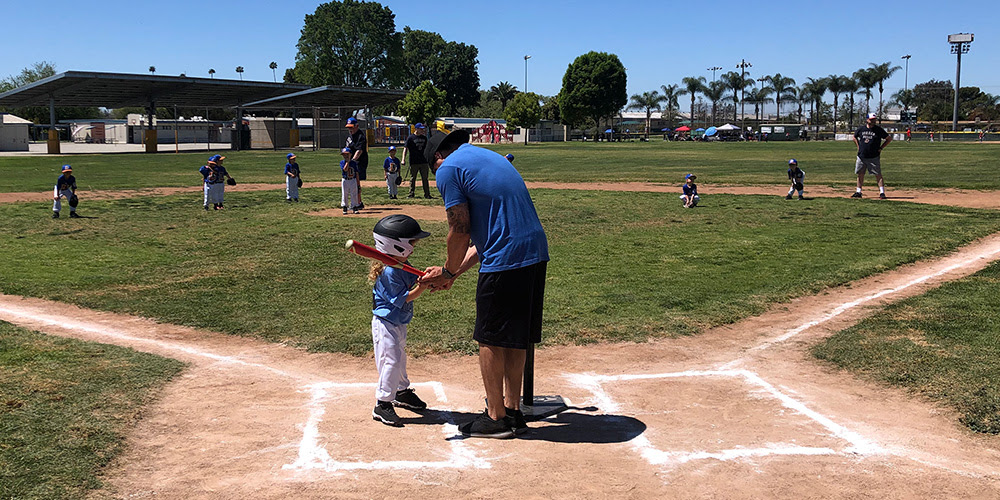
<point>858,445</point>
<point>311,454</point>
<point>314,456</point>
<point>855,303</point>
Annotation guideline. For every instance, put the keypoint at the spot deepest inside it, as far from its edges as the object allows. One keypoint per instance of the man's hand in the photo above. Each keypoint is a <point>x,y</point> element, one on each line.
<point>435,279</point>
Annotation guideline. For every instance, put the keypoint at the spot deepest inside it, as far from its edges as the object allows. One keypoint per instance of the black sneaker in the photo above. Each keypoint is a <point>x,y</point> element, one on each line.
<point>206,208</point>
<point>408,399</point>
<point>345,210</point>
<point>385,413</point>
<point>410,195</point>
<point>429,197</point>
<point>789,196</point>
<point>485,427</point>
<point>296,200</point>
<point>55,215</point>
<point>802,197</point>
<point>515,419</point>
<point>857,194</point>
<point>881,196</point>
<point>360,206</point>
<point>72,215</point>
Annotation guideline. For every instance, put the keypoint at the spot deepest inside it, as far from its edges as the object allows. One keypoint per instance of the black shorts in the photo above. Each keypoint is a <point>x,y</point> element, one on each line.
<point>509,307</point>
<point>362,172</point>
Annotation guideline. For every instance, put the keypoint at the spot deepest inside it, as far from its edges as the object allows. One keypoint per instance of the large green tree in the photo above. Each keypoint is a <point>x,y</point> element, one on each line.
<point>524,111</point>
<point>450,66</point>
<point>593,87</point>
<point>40,114</point>
<point>423,104</point>
<point>351,43</point>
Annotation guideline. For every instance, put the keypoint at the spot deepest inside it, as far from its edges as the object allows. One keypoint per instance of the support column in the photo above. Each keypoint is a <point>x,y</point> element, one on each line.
<point>150,139</point>
<point>293,133</point>
<point>239,128</point>
<point>53,140</point>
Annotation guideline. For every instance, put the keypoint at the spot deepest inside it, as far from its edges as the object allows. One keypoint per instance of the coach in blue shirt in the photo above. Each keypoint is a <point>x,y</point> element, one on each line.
<point>488,205</point>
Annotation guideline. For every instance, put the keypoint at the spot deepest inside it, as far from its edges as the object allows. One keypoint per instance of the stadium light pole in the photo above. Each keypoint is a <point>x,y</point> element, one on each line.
<point>959,45</point>
<point>743,65</point>
<point>906,72</point>
<point>761,80</point>
<point>526,57</point>
<point>713,69</point>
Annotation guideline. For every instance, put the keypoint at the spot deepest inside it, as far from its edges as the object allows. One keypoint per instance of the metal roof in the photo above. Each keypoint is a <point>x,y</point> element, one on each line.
<point>331,96</point>
<point>116,90</point>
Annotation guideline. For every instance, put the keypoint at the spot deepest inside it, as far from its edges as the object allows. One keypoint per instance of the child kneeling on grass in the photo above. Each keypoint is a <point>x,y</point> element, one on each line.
<point>690,196</point>
<point>392,310</point>
<point>797,177</point>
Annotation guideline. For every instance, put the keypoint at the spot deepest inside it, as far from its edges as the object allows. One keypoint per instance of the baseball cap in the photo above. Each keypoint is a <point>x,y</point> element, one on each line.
<point>216,158</point>
<point>690,176</point>
<point>67,168</point>
<point>392,148</point>
<point>793,162</point>
<point>872,115</point>
<point>420,126</point>
<point>290,156</point>
<point>509,157</point>
<point>352,121</point>
<point>345,150</point>
<point>457,136</point>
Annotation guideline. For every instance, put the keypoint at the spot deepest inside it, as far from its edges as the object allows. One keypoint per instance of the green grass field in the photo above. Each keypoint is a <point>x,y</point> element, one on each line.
<point>944,345</point>
<point>913,165</point>
<point>65,408</point>
<point>621,270</point>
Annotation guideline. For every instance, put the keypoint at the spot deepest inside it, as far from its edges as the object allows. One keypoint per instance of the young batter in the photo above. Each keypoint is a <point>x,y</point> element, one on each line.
<point>65,186</point>
<point>392,309</point>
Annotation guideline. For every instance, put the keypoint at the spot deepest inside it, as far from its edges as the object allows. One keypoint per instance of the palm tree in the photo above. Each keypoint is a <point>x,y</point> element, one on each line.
<point>903,98</point>
<point>503,92</point>
<point>152,70</point>
<point>882,72</point>
<point>814,89</point>
<point>783,88</point>
<point>649,102</point>
<point>737,83</point>
<point>671,93</point>
<point>693,85</point>
<point>835,84</point>
<point>760,97</point>
<point>715,91</point>
<point>239,69</point>
<point>866,80</point>
<point>211,72</point>
<point>273,67</point>
<point>850,87</point>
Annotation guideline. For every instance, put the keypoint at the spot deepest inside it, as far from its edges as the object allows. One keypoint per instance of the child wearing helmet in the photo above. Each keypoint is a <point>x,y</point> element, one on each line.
<point>349,182</point>
<point>690,189</point>
<point>65,187</point>
<point>509,157</point>
<point>392,309</point>
<point>797,177</point>
<point>214,175</point>
<point>391,167</point>
<point>291,179</point>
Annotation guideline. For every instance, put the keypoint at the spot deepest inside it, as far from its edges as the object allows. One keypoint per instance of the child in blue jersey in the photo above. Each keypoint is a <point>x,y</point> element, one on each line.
<point>214,176</point>
<point>690,196</point>
<point>65,187</point>
<point>392,309</point>
<point>292,179</point>
<point>349,182</point>
<point>391,167</point>
<point>797,177</point>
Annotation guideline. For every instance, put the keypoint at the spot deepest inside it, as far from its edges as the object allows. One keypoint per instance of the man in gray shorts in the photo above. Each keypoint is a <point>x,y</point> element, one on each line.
<point>869,139</point>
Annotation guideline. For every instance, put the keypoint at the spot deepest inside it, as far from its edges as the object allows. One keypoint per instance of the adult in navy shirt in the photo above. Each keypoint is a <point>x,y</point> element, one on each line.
<point>488,205</point>
<point>869,139</point>
<point>414,147</point>
<point>357,142</point>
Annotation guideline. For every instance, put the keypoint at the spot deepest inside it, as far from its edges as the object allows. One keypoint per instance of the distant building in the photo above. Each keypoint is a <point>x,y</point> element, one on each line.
<point>13,133</point>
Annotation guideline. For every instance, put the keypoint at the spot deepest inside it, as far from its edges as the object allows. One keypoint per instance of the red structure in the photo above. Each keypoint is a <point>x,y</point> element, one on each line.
<point>491,133</point>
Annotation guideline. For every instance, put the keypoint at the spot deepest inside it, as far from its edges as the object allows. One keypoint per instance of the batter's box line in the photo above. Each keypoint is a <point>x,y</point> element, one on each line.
<point>655,456</point>
<point>314,456</point>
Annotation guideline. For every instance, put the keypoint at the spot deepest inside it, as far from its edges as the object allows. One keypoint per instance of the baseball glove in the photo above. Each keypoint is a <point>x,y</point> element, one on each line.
<point>299,183</point>
<point>798,186</point>
<point>231,181</point>
<point>74,201</point>
<point>399,180</point>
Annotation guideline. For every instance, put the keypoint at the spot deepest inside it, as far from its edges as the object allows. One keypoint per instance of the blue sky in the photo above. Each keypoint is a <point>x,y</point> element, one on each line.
<point>658,41</point>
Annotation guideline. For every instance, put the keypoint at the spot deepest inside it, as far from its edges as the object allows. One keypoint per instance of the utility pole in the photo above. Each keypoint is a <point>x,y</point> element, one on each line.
<point>743,65</point>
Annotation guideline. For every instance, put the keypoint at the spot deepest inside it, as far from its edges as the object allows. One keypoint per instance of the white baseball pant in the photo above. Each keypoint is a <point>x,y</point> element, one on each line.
<point>390,182</point>
<point>57,194</point>
<point>390,357</point>
<point>349,193</point>
<point>291,188</point>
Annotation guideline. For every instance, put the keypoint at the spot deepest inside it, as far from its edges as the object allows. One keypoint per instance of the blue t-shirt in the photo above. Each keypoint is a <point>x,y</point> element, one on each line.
<point>292,168</point>
<point>389,163</point>
<point>389,296</point>
<point>65,182</point>
<point>505,227</point>
<point>348,175</point>
<point>690,190</point>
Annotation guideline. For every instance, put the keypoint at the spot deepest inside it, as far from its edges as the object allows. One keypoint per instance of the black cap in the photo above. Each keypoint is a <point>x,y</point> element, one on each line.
<point>457,136</point>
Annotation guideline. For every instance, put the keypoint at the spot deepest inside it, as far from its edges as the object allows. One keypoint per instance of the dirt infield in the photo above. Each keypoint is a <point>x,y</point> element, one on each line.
<point>955,197</point>
<point>740,411</point>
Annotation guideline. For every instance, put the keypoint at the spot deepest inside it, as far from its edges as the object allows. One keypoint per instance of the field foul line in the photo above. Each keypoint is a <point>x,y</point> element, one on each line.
<point>855,303</point>
<point>314,456</point>
<point>655,456</point>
